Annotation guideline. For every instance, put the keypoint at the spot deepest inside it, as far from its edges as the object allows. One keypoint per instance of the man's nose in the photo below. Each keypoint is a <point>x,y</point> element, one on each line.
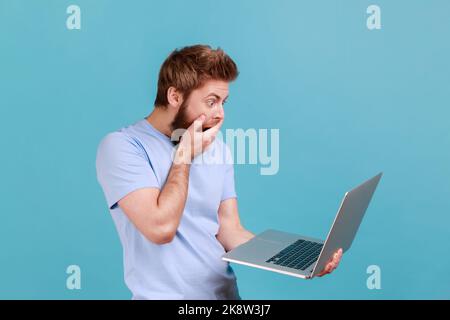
<point>220,114</point>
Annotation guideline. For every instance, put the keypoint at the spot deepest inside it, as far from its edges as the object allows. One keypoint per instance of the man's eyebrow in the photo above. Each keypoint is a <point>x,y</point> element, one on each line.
<point>215,95</point>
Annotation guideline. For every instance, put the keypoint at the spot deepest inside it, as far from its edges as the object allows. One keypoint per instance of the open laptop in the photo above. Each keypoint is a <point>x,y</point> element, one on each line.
<point>305,257</point>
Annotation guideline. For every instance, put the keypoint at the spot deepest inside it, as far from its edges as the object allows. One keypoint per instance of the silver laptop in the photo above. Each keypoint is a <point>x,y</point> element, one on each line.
<point>305,257</point>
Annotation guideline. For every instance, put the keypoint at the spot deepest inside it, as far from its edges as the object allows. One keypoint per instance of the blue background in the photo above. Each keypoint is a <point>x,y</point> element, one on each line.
<point>349,102</point>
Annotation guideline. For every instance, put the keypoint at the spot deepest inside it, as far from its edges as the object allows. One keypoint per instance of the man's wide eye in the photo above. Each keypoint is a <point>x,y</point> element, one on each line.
<point>211,103</point>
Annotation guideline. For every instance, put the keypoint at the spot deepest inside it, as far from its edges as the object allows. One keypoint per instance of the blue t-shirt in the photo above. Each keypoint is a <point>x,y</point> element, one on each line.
<point>190,266</point>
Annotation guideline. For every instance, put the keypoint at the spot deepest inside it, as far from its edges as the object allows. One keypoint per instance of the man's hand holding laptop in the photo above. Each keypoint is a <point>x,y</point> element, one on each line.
<point>332,264</point>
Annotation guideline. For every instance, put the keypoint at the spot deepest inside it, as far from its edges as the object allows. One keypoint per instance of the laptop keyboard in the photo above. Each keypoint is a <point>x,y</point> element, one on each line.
<point>299,255</point>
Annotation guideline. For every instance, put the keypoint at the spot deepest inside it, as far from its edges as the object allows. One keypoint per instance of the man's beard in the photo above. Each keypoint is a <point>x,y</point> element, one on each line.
<point>181,120</point>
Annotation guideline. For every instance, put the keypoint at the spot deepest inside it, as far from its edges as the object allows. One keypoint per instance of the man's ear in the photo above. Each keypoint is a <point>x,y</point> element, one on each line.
<point>174,97</point>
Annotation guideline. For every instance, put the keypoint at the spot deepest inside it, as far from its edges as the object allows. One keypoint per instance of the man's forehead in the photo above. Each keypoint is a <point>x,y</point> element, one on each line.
<point>219,88</point>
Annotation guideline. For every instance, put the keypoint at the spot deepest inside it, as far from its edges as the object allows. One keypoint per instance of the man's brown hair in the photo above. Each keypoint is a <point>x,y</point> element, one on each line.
<point>190,67</point>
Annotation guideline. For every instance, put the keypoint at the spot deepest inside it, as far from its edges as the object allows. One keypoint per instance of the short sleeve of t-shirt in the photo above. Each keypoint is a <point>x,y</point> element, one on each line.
<point>122,167</point>
<point>228,184</point>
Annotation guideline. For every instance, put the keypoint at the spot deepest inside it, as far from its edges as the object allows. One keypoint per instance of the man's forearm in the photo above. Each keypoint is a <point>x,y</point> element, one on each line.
<point>234,238</point>
<point>172,199</point>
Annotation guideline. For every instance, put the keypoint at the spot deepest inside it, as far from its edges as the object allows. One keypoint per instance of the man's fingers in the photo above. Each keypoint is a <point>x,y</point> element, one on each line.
<point>328,268</point>
<point>339,255</point>
<point>212,132</point>
<point>198,123</point>
<point>336,258</point>
<point>325,271</point>
<point>332,264</point>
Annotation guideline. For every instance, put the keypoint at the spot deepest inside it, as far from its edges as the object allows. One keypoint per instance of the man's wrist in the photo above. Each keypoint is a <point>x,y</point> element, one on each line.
<point>182,156</point>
